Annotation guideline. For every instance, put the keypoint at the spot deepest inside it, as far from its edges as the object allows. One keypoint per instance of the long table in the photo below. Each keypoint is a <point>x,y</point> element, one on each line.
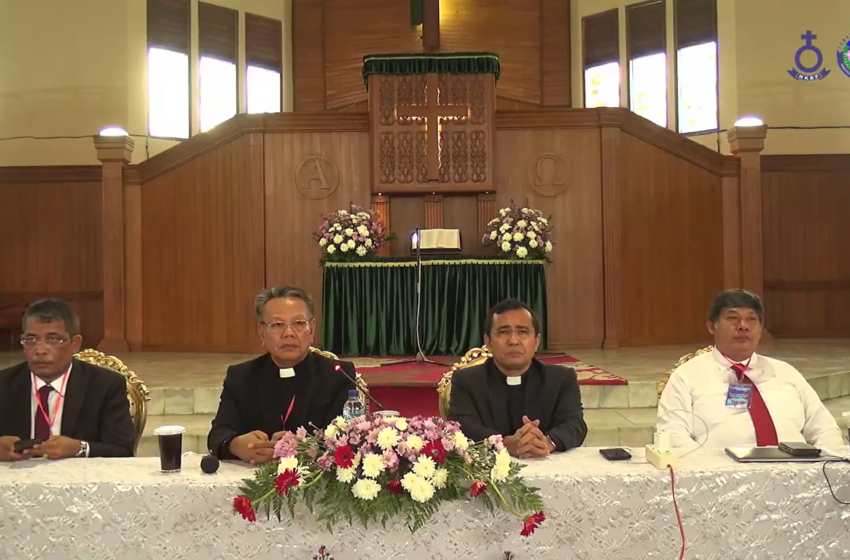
<point>126,509</point>
<point>369,308</point>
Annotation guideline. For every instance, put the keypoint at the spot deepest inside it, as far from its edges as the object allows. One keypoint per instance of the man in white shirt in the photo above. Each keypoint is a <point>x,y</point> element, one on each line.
<point>733,397</point>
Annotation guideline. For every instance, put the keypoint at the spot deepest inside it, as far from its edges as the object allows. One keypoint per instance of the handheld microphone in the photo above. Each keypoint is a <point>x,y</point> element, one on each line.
<point>368,394</point>
<point>209,464</point>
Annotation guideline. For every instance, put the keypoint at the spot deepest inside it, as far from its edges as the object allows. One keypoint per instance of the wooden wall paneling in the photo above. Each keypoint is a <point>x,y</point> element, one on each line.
<point>555,55</point>
<point>203,257</point>
<point>434,211</point>
<point>731,232</point>
<point>671,261</point>
<point>458,212</point>
<point>575,295</point>
<point>296,198</point>
<point>381,206</point>
<point>133,261</point>
<point>308,55</point>
<point>612,201</point>
<point>486,210</point>
<point>408,213</point>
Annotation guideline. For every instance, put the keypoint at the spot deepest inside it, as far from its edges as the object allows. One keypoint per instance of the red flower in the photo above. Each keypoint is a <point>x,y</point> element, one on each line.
<point>286,480</point>
<point>344,457</point>
<point>477,489</point>
<point>436,451</point>
<point>394,486</point>
<point>243,505</point>
<point>533,523</point>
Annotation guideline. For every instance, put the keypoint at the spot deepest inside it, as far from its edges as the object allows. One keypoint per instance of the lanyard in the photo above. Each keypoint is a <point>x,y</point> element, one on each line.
<point>283,419</point>
<point>43,406</point>
<point>745,366</point>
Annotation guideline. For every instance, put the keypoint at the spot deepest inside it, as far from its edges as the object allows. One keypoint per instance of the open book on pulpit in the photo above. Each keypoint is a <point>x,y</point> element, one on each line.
<point>438,242</point>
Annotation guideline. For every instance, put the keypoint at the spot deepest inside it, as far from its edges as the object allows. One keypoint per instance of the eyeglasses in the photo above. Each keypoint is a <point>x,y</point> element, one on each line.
<point>279,327</point>
<point>52,340</point>
<point>521,333</point>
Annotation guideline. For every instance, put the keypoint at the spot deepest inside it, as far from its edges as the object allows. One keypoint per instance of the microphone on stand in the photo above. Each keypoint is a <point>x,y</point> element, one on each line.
<point>368,394</point>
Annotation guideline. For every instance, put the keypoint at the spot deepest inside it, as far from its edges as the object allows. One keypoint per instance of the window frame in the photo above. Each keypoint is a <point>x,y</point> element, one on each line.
<point>584,66</point>
<point>188,53</point>
<point>677,118</point>
<point>631,57</point>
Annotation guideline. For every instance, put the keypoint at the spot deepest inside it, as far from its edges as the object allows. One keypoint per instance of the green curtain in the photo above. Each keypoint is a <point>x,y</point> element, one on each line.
<point>431,63</point>
<point>370,310</point>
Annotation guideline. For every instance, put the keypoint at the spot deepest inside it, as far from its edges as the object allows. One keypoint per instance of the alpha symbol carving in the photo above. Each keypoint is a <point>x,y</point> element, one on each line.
<point>547,174</point>
<point>317,177</point>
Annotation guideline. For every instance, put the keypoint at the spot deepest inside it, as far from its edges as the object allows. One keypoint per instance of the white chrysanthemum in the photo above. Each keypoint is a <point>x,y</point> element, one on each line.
<point>387,438</point>
<point>543,221</point>
<point>344,247</point>
<point>507,237</point>
<point>425,466</point>
<point>441,477</point>
<point>373,465</point>
<point>337,239</point>
<point>521,252</point>
<point>461,441</point>
<point>494,234</point>
<point>343,212</point>
<point>368,243</point>
<point>504,228</point>
<point>493,222</point>
<point>518,236</point>
<point>365,489</point>
<point>349,232</point>
<point>336,225</point>
<point>287,464</point>
<point>531,235</point>
<point>533,244</point>
<point>345,475</point>
<point>340,423</point>
<point>415,442</point>
<point>548,248</point>
<point>500,472</point>
<point>331,249</point>
<point>536,228</point>
<point>422,492</point>
<point>351,244</point>
<point>323,242</point>
<point>363,230</point>
<point>522,223</point>
<point>524,210</point>
<point>506,246</point>
<point>355,219</point>
<point>331,431</point>
<point>401,424</point>
<point>361,250</point>
<point>503,212</point>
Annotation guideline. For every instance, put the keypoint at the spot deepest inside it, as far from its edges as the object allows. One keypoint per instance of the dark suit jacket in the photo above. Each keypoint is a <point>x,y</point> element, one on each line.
<point>96,409</point>
<point>479,402</point>
<point>249,398</point>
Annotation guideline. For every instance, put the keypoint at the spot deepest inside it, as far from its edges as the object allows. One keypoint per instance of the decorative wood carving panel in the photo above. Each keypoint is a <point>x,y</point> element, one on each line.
<point>381,206</point>
<point>409,155</point>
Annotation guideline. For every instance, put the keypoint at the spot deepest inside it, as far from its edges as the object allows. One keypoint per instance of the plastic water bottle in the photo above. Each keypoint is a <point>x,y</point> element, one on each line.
<point>353,406</point>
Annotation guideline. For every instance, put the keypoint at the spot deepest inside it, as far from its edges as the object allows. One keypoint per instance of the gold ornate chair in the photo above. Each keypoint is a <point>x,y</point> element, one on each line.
<point>358,379</point>
<point>137,393</point>
<point>472,358</point>
<point>682,360</point>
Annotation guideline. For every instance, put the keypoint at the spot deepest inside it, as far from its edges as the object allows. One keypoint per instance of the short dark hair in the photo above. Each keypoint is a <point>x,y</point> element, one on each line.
<point>49,310</point>
<point>275,292</point>
<point>509,305</point>
<point>729,299</point>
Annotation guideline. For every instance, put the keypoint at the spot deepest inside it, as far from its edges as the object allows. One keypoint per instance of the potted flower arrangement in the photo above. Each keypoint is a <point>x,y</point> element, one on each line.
<point>350,235</point>
<point>520,233</point>
<point>376,468</point>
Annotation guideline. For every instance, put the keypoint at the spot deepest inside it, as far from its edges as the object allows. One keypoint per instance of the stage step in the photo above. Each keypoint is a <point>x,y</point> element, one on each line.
<point>639,394</point>
<point>623,427</point>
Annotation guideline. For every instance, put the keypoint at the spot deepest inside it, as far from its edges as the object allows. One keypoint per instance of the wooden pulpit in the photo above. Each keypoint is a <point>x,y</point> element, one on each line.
<point>431,121</point>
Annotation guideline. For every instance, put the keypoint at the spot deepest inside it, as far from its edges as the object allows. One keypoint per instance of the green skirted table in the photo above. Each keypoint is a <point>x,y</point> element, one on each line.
<point>368,308</point>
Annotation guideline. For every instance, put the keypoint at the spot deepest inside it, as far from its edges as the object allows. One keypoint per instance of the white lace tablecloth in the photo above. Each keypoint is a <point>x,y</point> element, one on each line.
<point>124,509</point>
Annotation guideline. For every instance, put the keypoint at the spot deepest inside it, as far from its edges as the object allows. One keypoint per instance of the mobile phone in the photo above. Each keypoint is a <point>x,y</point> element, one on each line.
<point>24,444</point>
<point>799,449</point>
<point>615,454</point>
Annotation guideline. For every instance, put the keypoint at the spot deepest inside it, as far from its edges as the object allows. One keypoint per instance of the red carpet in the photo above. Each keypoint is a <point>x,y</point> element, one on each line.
<point>411,388</point>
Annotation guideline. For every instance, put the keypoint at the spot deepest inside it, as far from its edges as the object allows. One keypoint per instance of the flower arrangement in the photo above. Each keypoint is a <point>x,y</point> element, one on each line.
<point>348,235</point>
<point>520,233</point>
<point>376,468</point>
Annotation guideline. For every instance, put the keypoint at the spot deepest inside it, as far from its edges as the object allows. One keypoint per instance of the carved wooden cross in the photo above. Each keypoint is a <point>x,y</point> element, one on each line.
<point>432,112</point>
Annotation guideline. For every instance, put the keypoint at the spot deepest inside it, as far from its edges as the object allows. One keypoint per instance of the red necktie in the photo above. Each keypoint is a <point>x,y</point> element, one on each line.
<point>42,427</point>
<point>762,422</point>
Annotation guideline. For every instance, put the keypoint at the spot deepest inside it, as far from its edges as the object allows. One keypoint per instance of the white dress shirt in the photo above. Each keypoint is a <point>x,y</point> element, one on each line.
<point>57,384</point>
<point>692,407</point>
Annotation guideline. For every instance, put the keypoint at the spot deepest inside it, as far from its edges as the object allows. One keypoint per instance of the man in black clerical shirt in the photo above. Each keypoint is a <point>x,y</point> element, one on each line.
<point>536,407</point>
<point>286,388</point>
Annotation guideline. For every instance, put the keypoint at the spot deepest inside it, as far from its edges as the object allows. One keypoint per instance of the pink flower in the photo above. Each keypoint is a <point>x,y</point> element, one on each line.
<point>354,438</point>
<point>391,459</point>
<point>448,444</point>
<point>496,442</point>
<point>301,433</point>
<point>325,462</point>
<point>312,452</point>
<point>286,446</point>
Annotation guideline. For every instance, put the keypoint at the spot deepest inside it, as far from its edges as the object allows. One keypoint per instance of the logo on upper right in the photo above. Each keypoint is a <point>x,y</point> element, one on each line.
<point>843,56</point>
<point>803,72</point>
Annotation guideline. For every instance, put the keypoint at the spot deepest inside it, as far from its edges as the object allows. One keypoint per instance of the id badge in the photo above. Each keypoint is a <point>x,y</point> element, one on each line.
<point>739,395</point>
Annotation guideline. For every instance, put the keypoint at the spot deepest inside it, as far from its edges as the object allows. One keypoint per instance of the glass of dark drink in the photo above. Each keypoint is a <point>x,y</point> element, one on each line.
<point>170,447</point>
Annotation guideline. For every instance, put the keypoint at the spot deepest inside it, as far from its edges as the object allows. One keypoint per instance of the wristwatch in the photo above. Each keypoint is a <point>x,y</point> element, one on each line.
<point>552,443</point>
<point>84,449</point>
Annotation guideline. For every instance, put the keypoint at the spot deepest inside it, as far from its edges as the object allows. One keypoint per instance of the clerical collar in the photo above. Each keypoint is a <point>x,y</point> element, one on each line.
<point>514,380</point>
<point>290,372</point>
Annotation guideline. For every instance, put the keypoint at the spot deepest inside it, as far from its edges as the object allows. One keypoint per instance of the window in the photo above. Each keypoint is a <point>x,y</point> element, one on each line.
<point>264,58</point>
<point>647,49</point>
<point>168,68</point>
<point>696,65</point>
<point>601,60</point>
<point>217,43</point>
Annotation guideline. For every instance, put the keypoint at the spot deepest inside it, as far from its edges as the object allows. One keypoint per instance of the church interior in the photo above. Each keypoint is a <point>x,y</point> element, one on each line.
<point>161,161</point>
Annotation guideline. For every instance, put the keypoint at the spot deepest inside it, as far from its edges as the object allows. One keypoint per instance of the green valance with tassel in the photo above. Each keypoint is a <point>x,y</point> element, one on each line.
<point>430,63</point>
